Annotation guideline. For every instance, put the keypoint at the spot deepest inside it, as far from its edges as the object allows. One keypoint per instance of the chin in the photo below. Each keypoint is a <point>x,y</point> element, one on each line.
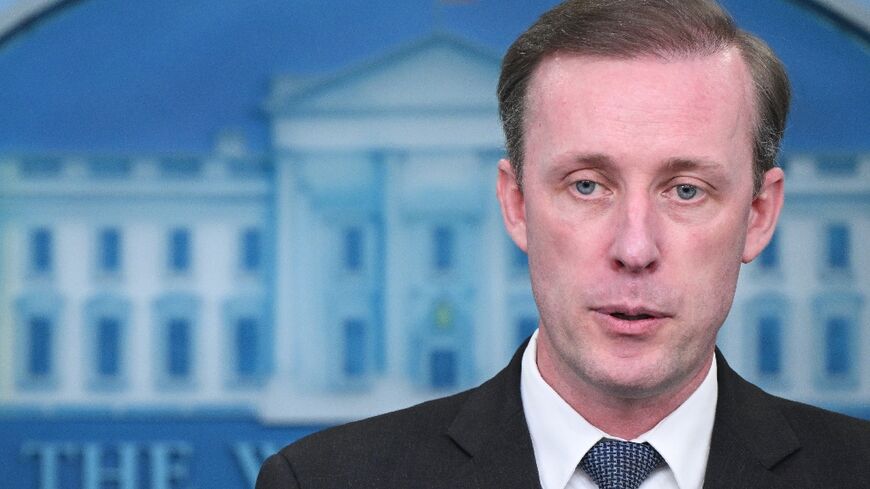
<point>635,388</point>
<point>635,377</point>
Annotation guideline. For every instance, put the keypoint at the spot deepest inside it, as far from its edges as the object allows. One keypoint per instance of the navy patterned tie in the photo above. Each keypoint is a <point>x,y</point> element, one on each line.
<point>615,464</point>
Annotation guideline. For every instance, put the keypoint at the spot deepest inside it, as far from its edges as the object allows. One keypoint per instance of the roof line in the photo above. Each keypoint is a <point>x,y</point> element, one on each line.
<point>26,15</point>
<point>853,25</point>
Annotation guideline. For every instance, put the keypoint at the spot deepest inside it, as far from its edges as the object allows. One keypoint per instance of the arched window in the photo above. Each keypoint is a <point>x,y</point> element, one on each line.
<point>838,318</point>
<point>178,348</point>
<point>177,317</point>
<point>770,345</point>
<point>442,368</point>
<point>37,340</point>
<point>353,249</point>
<point>106,319</point>
<point>838,248</point>
<point>246,342</point>
<point>766,315</point>
<point>355,348</point>
<point>839,332</point>
<point>247,346</point>
<point>443,245</point>
<point>179,251</point>
<point>251,250</point>
<point>109,251</point>
<point>41,251</point>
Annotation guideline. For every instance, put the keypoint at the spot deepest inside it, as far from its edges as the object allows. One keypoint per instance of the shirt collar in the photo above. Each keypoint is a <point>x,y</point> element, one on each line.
<point>683,437</point>
<point>560,436</point>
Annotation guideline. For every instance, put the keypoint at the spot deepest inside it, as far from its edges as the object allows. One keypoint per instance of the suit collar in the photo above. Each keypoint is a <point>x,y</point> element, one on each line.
<point>492,429</point>
<point>750,435</point>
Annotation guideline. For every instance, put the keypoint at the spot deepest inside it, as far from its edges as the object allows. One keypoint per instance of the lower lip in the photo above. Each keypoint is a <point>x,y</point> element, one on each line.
<point>626,327</point>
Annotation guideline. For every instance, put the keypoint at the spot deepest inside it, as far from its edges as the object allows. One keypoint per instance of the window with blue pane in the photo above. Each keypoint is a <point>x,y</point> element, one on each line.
<point>444,247</point>
<point>442,364</point>
<point>110,167</point>
<point>769,345</point>
<point>838,243</point>
<point>526,325</point>
<point>41,250</point>
<point>354,348</point>
<point>843,166</point>
<point>108,347</point>
<point>769,258</point>
<point>838,353</point>
<point>353,249</point>
<point>179,250</point>
<point>41,167</point>
<point>252,250</point>
<point>39,362</point>
<point>109,253</point>
<point>247,346</point>
<point>178,348</point>
<point>519,259</point>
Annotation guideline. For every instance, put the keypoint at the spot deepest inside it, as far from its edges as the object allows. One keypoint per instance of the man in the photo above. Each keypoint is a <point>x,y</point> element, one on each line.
<point>641,141</point>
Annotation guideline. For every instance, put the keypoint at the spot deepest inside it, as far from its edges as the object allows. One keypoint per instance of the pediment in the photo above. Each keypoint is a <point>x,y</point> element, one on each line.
<point>439,73</point>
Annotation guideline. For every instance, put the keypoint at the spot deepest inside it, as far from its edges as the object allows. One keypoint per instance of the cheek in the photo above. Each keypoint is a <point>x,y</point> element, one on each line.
<point>563,248</point>
<point>714,245</point>
<point>709,268</point>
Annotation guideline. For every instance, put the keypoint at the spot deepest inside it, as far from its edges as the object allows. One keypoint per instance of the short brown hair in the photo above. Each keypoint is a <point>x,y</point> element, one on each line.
<point>632,28</point>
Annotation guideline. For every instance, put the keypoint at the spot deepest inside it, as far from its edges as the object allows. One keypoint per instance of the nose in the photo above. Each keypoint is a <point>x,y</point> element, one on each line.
<point>635,245</point>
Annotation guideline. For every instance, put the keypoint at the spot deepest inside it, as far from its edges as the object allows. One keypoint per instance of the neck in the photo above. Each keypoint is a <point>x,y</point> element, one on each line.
<point>619,415</point>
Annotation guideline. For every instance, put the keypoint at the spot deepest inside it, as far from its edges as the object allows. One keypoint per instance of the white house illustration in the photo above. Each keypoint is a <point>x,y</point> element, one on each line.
<point>360,265</point>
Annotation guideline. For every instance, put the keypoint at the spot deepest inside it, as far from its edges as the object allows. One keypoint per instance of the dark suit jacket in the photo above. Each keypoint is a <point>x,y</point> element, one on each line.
<point>479,439</point>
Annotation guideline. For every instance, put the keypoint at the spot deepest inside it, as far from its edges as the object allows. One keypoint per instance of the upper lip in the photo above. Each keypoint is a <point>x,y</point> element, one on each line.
<point>631,310</point>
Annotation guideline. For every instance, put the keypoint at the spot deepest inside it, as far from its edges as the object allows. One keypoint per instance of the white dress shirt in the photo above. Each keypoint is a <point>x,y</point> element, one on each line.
<point>561,437</point>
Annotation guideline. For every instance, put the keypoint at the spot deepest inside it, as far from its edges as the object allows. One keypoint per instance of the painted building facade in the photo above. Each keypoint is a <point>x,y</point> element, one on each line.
<point>360,265</point>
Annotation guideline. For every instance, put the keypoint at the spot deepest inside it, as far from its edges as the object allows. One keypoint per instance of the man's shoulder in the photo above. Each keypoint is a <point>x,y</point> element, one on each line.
<point>383,432</point>
<point>380,451</point>
<point>811,424</point>
<point>835,448</point>
<point>801,442</point>
<point>760,438</point>
<point>422,446</point>
<point>815,426</point>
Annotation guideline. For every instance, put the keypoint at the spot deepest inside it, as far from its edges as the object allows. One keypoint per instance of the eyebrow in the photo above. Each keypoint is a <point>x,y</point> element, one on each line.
<point>601,160</point>
<point>566,163</point>
<point>684,164</point>
<point>595,160</point>
<point>604,162</point>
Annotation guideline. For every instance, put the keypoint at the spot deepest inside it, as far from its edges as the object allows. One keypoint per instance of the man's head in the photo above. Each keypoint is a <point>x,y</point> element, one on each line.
<point>634,28</point>
<point>638,200</point>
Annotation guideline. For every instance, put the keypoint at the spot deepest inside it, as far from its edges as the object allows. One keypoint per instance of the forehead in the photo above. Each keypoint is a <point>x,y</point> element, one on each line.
<point>691,100</point>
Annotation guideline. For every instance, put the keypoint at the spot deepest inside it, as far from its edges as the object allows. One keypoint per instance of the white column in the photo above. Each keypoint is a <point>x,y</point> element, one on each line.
<point>73,268</point>
<point>286,318</point>
<point>493,337</point>
<point>397,248</point>
<point>9,270</point>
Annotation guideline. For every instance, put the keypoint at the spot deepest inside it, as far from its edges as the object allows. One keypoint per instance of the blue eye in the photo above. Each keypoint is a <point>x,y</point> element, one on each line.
<point>585,187</point>
<point>686,192</point>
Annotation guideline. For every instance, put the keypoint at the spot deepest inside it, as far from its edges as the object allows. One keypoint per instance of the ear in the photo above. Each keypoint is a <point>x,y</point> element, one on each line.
<point>763,214</point>
<point>513,204</point>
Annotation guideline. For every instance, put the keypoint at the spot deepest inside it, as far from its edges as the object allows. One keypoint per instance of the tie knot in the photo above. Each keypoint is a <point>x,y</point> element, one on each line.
<point>615,464</point>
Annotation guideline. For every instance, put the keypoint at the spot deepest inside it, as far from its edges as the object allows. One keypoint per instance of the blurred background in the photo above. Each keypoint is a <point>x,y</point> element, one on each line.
<point>226,224</point>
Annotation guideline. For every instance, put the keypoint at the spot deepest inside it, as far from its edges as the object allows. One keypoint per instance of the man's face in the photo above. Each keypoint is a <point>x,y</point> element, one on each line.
<point>636,211</point>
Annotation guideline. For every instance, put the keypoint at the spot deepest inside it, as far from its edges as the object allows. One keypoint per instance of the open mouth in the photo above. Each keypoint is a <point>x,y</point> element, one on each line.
<point>631,317</point>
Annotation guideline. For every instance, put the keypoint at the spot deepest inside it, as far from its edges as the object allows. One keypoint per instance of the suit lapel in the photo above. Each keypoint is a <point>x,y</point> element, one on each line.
<point>750,436</point>
<point>492,429</point>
